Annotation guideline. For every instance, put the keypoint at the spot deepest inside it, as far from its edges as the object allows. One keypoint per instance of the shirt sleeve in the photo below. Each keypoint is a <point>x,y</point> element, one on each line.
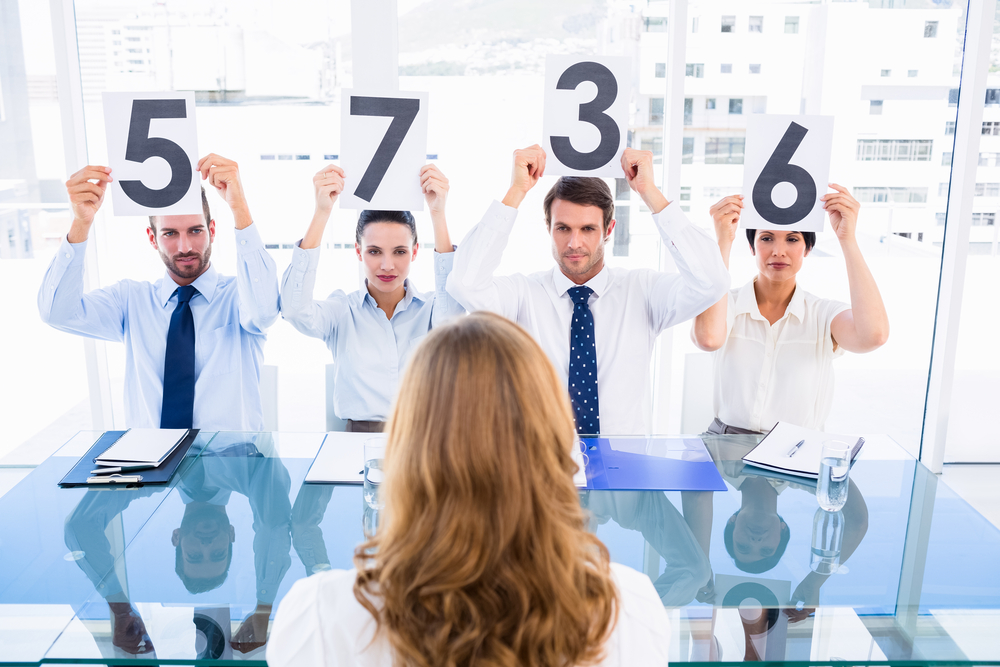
<point>256,281</point>
<point>830,308</point>
<point>318,319</point>
<point>701,277</point>
<point>445,306</point>
<point>62,304</point>
<point>472,283</point>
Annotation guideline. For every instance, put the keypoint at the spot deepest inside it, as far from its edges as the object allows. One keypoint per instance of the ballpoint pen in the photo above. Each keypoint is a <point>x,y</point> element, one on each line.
<point>795,449</point>
<point>115,479</point>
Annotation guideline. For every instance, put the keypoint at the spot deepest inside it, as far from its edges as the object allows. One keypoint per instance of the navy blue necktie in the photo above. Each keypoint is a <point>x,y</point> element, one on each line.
<point>178,365</point>
<point>583,364</point>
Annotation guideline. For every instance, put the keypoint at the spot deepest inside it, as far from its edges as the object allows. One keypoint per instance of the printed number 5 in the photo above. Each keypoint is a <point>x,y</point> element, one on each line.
<point>141,147</point>
<point>403,111</point>
<point>591,112</point>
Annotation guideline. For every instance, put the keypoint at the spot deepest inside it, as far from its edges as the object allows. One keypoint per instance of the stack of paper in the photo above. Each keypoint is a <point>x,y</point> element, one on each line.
<point>794,450</point>
<point>142,447</point>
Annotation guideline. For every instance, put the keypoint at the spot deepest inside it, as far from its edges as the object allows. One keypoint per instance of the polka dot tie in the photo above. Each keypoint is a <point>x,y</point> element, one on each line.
<point>583,364</point>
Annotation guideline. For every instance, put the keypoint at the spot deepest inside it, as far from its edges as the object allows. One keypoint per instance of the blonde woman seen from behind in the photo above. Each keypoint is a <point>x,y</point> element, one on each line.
<point>483,558</point>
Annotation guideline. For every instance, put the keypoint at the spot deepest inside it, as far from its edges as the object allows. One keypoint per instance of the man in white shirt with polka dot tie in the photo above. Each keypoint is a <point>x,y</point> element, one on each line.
<point>625,309</point>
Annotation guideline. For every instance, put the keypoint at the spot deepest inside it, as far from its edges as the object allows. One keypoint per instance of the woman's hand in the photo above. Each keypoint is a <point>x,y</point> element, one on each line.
<point>328,183</point>
<point>843,210</point>
<point>434,185</point>
<point>726,216</point>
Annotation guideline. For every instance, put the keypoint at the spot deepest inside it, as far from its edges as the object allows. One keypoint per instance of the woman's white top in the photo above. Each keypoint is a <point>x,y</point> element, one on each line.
<point>320,622</point>
<point>767,373</point>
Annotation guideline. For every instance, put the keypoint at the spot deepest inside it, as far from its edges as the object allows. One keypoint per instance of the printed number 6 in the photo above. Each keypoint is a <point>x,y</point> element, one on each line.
<point>141,147</point>
<point>778,170</point>
<point>591,112</point>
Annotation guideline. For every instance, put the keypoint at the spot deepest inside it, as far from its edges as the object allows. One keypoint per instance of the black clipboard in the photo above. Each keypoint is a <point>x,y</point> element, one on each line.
<point>79,474</point>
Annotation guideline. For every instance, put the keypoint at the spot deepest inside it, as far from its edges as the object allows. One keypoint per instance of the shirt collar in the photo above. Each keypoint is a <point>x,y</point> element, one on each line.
<point>205,284</point>
<point>363,296</point>
<point>598,283</point>
<point>746,303</point>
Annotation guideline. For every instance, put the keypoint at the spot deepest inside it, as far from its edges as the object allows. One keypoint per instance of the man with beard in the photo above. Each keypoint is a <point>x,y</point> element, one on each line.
<point>192,334</point>
<point>597,324</point>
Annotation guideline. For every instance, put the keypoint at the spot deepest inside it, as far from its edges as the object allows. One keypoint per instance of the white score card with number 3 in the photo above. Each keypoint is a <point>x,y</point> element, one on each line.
<point>152,152</point>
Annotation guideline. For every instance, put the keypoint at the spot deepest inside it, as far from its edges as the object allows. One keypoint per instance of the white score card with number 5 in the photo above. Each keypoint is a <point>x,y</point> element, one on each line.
<point>152,152</point>
<point>786,171</point>
<point>585,121</point>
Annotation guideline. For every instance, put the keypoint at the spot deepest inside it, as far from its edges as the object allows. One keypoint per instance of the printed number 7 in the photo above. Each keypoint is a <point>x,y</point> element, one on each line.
<point>141,147</point>
<point>403,112</point>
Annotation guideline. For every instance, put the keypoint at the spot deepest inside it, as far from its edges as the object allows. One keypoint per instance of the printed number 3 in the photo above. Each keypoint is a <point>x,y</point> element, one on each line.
<point>778,170</point>
<point>403,111</point>
<point>591,112</point>
<point>141,147</point>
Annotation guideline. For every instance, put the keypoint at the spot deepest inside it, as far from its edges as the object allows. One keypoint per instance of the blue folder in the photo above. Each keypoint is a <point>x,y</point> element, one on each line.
<point>651,464</point>
<point>81,471</point>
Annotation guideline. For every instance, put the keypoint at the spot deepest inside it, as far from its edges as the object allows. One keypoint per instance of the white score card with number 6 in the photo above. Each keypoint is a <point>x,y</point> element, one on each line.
<point>585,121</point>
<point>786,170</point>
<point>383,139</point>
<point>153,152</point>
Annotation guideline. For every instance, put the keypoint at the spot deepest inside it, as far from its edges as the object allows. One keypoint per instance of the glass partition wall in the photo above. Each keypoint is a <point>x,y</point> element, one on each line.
<point>268,84</point>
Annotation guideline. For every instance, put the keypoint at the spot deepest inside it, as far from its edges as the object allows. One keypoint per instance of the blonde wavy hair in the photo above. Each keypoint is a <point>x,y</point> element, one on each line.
<point>483,558</point>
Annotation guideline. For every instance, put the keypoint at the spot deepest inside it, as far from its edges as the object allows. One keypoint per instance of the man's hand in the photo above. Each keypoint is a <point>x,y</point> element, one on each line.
<point>86,190</point>
<point>726,216</point>
<point>529,166</point>
<point>129,631</point>
<point>224,175</point>
<point>638,168</point>
<point>435,187</point>
<point>843,210</point>
<point>252,633</point>
<point>328,183</point>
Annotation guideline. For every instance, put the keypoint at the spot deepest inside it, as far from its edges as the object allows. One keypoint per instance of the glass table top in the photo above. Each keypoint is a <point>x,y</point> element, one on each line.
<point>191,572</point>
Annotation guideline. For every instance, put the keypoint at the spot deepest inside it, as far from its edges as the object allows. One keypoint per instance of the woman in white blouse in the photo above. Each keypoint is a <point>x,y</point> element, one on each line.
<point>483,557</point>
<point>775,343</point>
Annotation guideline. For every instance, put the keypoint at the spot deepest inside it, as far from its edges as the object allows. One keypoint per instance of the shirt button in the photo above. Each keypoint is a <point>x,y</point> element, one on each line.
<point>243,242</point>
<point>256,280</point>
<point>68,255</point>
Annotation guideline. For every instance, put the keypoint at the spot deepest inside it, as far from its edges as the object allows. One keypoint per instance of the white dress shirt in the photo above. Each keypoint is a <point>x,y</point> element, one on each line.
<point>369,350</point>
<point>630,306</point>
<point>231,317</point>
<point>782,372</point>
<point>320,622</point>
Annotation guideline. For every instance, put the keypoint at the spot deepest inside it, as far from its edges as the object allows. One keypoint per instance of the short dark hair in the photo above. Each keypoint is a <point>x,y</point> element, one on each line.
<point>200,585</point>
<point>399,217</point>
<point>764,564</point>
<point>204,209</point>
<point>808,237</point>
<point>583,190</point>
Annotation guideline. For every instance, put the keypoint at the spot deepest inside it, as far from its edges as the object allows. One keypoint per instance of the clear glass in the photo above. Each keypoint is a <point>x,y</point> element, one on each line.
<point>827,537</point>
<point>834,475</point>
<point>374,504</point>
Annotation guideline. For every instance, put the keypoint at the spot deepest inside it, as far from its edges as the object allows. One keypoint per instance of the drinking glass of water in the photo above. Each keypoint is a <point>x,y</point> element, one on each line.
<point>834,468</point>
<point>374,460</point>
<point>827,538</point>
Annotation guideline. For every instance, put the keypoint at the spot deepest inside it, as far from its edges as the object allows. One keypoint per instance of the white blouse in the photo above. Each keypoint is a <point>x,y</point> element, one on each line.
<point>320,622</point>
<point>767,373</point>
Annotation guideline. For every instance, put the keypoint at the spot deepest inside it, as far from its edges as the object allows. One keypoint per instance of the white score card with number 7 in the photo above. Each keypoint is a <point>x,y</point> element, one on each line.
<point>383,140</point>
<point>785,172</point>
<point>153,152</point>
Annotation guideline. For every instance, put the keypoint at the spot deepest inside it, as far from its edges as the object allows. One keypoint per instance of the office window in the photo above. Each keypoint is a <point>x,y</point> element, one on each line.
<point>953,97</point>
<point>685,193</point>
<point>876,195</point>
<point>756,24</point>
<point>946,159</point>
<point>989,159</point>
<point>724,150</point>
<point>697,70</point>
<point>687,150</point>
<point>791,25</point>
<point>688,110</point>
<point>661,70</point>
<point>949,127</point>
<point>993,189</point>
<point>939,218</point>
<point>656,111</point>
<point>736,105</point>
<point>930,28</point>
<point>755,68</point>
<point>894,150</point>
<point>709,102</point>
<point>694,24</point>
<point>989,127</point>
<point>726,68</point>
<point>654,144</point>
<point>714,192</point>
<point>887,72</point>
<point>942,189</point>
<point>992,96</point>
<point>656,23</point>
<point>983,219</point>
<point>728,24</point>
<point>875,107</point>
<point>911,73</point>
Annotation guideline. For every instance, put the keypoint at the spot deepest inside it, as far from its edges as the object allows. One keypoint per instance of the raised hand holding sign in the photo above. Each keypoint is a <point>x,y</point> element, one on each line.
<point>383,146</point>
<point>786,169</point>
<point>586,114</point>
<point>152,150</point>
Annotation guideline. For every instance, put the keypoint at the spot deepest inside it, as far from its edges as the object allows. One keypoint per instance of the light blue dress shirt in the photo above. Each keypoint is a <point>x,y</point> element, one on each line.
<point>231,317</point>
<point>369,349</point>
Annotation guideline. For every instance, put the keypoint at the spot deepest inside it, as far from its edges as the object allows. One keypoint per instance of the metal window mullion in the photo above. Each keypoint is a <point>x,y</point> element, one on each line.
<point>980,16</point>
<point>70,87</point>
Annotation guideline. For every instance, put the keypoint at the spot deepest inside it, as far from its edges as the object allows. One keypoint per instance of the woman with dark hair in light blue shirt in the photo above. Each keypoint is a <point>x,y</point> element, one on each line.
<point>372,331</point>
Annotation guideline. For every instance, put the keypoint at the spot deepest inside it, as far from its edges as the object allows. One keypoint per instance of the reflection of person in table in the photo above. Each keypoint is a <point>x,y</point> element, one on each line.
<point>194,340</point>
<point>775,343</point>
<point>371,332</point>
<point>203,543</point>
